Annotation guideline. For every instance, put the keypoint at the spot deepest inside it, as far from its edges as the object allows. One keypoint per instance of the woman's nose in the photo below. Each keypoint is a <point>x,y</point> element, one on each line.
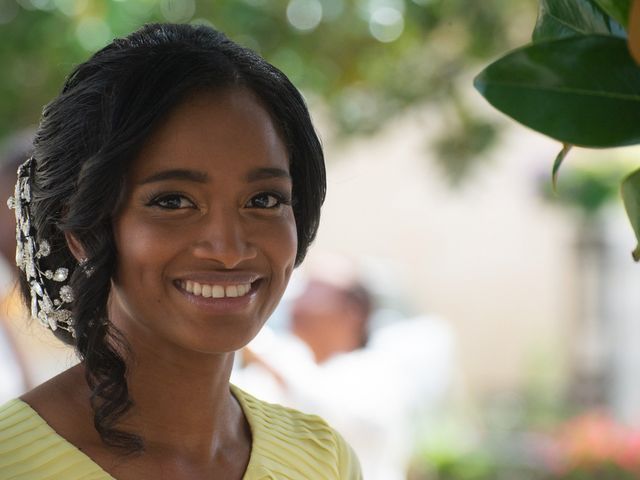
<point>224,239</point>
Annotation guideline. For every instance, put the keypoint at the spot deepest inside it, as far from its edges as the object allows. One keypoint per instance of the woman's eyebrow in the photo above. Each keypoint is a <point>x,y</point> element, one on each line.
<point>201,177</point>
<point>266,173</point>
<point>176,174</point>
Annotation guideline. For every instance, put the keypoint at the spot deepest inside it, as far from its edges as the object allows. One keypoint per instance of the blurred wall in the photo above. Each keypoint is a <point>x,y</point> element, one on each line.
<point>492,257</point>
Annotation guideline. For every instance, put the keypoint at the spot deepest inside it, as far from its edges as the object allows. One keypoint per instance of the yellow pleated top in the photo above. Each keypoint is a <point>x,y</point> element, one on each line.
<point>286,444</point>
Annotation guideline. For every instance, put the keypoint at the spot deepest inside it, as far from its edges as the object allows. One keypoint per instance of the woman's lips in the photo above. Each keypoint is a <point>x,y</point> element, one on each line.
<point>218,297</point>
<point>208,290</point>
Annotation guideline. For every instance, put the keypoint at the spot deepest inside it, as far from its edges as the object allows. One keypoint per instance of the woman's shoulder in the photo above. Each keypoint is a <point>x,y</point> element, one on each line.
<point>30,448</point>
<point>34,433</point>
<point>296,442</point>
<point>20,425</point>
<point>13,415</point>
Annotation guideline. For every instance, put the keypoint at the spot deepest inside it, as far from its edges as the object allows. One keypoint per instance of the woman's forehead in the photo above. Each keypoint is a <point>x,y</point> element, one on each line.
<point>213,130</point>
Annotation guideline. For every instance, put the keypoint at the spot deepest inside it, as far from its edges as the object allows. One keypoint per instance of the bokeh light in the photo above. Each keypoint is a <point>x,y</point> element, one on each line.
<point>178,10</point>
<point>43,4</point>
<point>386,24</point>
<point>93,33</point>
<point>71,8</point>
<point>304,15</point>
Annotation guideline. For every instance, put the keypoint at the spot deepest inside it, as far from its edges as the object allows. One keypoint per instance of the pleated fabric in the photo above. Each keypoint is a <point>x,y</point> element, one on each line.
<point>31,450</point>
<point>287,445</point>
<point>291,445</point>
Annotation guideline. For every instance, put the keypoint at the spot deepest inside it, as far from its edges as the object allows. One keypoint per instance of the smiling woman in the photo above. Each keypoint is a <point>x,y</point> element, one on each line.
<point>175,184</point>
<point>190,241</point>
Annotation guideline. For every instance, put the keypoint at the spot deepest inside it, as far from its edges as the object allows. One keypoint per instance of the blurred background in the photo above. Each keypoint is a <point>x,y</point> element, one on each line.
<point>484,327</point>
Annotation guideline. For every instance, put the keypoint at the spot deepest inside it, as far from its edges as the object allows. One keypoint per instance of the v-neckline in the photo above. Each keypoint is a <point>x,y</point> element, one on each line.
<point>237,394</point>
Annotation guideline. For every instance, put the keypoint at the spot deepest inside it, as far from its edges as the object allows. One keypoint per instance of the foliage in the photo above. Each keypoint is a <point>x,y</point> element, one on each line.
<point>589,446</point>
<point>581,90</point>
<point>587,187</point>
<point>532,433</point>
<point>473,466</point>
<point>577,81</point>
<point>367,60</point>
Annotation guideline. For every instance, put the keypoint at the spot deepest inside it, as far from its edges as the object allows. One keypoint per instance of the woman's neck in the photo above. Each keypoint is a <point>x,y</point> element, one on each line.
<point>182,401</point>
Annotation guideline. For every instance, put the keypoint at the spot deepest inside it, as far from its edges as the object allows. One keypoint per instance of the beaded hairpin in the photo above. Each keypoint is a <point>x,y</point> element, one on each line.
<point>50,313</point>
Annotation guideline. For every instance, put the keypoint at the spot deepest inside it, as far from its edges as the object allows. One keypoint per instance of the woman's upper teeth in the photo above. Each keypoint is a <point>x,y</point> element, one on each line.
<point>216,291</point>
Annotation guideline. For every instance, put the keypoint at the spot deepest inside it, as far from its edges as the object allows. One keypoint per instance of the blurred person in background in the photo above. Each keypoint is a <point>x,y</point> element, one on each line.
<point>14,372</point>
<point>377,385</point>
<point>331,315</point>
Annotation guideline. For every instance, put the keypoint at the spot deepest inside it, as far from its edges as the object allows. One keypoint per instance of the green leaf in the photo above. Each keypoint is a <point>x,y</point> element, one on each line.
<point>618,9</point>
<point>583,91</point>
<point>558,163</point>
<point>631,198</point>
<point>567,18</point>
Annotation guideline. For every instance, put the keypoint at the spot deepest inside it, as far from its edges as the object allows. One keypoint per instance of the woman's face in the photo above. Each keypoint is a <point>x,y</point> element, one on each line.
<point>206,237</point>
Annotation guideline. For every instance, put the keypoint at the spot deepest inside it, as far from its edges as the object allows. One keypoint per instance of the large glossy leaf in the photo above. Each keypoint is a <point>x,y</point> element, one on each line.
<point>631,198</point>
<point>580,90</point>
<point>618,9</point>
<point>566,18</point>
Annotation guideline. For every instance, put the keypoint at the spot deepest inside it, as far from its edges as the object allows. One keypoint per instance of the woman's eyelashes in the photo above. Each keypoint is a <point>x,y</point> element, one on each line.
<point>176,201</point>
<point>171,201</point>
<point>269,200</point>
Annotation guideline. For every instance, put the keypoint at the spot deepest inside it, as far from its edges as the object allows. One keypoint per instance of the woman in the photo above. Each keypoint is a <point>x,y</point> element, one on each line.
<point>175,184</point>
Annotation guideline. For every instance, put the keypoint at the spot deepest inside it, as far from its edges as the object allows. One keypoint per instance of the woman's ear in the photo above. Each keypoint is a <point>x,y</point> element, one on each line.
<point>76,248</point>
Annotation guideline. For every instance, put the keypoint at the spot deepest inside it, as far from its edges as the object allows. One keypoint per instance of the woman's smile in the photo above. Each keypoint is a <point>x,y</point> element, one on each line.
<point>216,291</point>
<point>220,296</point>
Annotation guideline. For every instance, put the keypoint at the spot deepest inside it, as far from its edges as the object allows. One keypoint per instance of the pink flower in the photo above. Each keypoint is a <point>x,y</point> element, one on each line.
<point>591,440</point>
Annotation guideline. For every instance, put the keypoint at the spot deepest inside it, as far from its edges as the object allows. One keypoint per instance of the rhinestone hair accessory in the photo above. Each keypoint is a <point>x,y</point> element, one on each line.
<point>51,311</point>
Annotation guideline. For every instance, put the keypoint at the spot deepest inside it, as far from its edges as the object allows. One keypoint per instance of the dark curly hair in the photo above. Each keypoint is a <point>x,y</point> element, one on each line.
<point>87,139</point>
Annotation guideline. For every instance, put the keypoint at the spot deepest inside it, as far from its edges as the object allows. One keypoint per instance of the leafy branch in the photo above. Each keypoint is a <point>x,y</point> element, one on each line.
<point>578,81</point>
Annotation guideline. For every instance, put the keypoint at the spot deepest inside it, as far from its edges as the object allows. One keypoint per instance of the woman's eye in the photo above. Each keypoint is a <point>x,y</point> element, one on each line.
<point>266,200</point>
<point>172,202</point>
